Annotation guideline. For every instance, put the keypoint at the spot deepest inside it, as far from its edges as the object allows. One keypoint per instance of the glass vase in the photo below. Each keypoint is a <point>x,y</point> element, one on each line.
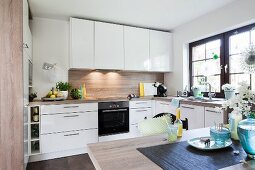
<point>234,119</point>
<point>246,133</point>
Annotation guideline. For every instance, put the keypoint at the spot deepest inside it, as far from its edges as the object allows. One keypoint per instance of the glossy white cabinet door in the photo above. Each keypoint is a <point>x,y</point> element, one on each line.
<point>194,114</point>
<point>138,115</point>
<point>164,107</point>
<point>136,44</point>
<point>69,140</point>
<point>160,51</point>
<point>212,116</point>
<point>81,43</point>
<point>109,47</point>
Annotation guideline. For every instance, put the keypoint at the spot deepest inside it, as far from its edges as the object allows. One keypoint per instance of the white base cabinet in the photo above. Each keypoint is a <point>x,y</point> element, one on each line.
<point>212,116</point>
<point>68,140</point>
<point>164,107</point>
<point>194,114</point>
<point>138,111</point>
<point>68,127</point>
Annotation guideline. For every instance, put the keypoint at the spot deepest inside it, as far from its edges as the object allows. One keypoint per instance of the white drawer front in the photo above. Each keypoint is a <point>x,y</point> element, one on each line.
<point>212,116</point>
<point>138,115</point>
<point>68,121</point>
<point>140,104</point>
<point>134,131</point>
<point>70,140</point>
<point>68,108</point>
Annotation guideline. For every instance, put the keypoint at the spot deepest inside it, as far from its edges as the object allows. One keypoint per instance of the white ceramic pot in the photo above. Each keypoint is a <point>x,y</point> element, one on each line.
<point>65,94</point>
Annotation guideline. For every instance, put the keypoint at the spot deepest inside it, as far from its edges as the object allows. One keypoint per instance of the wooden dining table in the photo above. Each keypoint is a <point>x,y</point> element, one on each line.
<point>123,154</point>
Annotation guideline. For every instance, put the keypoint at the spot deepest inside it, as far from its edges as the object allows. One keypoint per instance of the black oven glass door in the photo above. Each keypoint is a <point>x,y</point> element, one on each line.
<point>113,121</point>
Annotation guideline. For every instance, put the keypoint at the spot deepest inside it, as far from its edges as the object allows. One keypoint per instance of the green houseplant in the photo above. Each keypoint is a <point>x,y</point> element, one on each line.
<point>75,93</point>
<point>63,87</point>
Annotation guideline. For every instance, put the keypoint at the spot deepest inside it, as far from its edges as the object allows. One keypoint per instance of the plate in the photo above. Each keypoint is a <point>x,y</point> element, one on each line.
<point>197,143</point>
<point>52,99</point>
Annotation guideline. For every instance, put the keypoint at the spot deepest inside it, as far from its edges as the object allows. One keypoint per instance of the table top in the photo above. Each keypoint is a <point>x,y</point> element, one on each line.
<point>122,154</point>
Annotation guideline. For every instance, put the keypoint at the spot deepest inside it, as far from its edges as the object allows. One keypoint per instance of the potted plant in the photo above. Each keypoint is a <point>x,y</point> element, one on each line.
<point>63,87</point>
<point>229,91</point>
<point>75,93</point>
<point>196,91</point>
<point>32,96</point>
<point>243,105</point>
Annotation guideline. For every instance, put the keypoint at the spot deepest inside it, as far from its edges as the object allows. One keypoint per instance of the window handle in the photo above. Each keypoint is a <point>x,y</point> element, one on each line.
<point>226,68</point>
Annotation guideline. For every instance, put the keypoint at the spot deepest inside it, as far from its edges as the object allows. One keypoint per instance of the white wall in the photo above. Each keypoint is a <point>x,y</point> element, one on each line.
<point>236,14</point>
<point>50,44</point>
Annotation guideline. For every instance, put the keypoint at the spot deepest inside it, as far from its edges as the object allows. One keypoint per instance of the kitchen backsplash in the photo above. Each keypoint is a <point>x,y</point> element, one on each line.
<point>111,84</point>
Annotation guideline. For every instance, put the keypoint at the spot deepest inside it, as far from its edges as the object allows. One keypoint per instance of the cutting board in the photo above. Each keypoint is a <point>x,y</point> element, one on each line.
<point>149,89</point>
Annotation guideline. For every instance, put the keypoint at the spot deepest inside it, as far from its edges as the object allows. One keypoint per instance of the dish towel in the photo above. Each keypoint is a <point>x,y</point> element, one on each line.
<point>176,102</point>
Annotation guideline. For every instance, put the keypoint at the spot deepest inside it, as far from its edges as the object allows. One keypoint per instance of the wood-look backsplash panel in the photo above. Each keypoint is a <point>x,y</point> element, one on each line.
<point>111,84</point>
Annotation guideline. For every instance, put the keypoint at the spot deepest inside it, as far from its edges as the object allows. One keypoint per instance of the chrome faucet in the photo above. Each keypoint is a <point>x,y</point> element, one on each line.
<point>210,94</point>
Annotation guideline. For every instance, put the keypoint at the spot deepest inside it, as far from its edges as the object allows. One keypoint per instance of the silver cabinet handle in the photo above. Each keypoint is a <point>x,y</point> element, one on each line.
<point>71,106</point>
<point>141,110</point>
<point>72,116</point>
<point>72,134</point>
<point>186,107</point>
<point>212,111</point>
<point>140,102</point>
<point>165,104</point>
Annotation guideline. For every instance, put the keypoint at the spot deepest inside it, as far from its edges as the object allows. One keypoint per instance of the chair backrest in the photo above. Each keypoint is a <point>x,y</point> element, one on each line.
<point>154,126</point>
<point>184,122</point>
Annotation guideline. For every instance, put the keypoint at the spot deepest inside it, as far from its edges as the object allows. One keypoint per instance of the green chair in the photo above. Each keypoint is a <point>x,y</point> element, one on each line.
<point>154,126</point>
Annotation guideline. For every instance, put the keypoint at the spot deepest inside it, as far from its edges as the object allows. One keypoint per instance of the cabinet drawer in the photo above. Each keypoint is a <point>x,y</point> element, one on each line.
<point>212,116</point>
<point>68,108</point>
<point>69,140</point>
<point>164,107</point>
<point>68,121</point>
<point>138,115</point>
<point>140,104</point>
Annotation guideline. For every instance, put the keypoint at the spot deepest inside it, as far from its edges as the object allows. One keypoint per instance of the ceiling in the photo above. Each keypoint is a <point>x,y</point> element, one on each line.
<point>156,14</point>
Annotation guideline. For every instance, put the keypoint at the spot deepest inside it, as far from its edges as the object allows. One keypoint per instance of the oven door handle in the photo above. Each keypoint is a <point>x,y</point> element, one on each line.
<point>117,110</point>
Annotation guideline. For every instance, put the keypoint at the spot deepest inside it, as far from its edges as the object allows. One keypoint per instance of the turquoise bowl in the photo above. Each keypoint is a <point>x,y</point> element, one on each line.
<point>220,137</point>
<point>246,134</point>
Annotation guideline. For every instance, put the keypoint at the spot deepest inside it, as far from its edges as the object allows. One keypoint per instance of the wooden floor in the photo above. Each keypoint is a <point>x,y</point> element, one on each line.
<point>78,162</point>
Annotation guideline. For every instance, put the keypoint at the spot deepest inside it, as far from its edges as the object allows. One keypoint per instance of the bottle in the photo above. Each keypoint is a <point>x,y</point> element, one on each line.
<point>141,87</point>
<point>178,122</point>
<point>84,91</point>
<point>234,119</point>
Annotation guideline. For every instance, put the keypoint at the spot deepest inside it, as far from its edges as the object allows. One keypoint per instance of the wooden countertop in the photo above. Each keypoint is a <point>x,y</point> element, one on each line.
<point>93,100</point>
<point>122,154</point>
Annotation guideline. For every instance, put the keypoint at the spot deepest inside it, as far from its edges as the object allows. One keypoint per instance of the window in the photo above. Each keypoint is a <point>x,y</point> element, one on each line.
<point>216,59</point>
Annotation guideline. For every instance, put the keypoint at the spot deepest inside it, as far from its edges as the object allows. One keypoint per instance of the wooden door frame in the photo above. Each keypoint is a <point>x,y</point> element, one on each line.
<point>11,85</point>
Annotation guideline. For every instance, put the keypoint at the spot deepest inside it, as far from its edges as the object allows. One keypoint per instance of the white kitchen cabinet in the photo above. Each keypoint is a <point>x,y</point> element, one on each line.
<point>194,114</point>
<point>68,108</point>
<point>136,44</point>
<point>139,111</point>
<point>109,46</point>
<point>160,51</point>
<point>164,107</point>
<point>53,123</point>
<point>68,126</point>
<point>81,43</point>
<point>212,116</point>
<point>69,140</point>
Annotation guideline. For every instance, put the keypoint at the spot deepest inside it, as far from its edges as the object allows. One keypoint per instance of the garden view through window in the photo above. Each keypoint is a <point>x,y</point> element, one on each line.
<point>217,59</point>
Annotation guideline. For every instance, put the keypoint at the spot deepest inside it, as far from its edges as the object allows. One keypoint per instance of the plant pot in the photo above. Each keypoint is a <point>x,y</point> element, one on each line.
<point>246,133</point>
<point>196,92</point>
<point>229,94</point>
<point>65,94</point>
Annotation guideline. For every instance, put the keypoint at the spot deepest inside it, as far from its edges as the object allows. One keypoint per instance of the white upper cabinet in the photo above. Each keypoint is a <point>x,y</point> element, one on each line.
<point>82,43</point>
<point>137,49</point>
<point>160,51</point>
<point>109,47</point>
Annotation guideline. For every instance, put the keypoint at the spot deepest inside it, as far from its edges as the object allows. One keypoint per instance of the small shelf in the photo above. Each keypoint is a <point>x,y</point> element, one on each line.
<point>34,139</point>
<point>34,123</point>
<point>35,152</point>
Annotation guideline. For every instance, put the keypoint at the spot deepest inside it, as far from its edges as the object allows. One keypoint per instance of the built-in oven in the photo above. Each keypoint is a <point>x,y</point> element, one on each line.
<point>113,117</point>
